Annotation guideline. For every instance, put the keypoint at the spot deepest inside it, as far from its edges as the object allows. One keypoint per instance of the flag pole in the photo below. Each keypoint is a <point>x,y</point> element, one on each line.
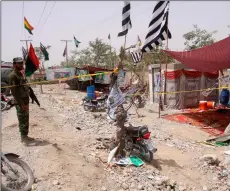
<point>125,41</point>
<point>66,54</point>
<point>66,41</point>
<point>40,71</point>
<point>160,95</point>
<point>122,58</point>
<point>166,69</point>
<point>159,108</point>
<point>112,65</point>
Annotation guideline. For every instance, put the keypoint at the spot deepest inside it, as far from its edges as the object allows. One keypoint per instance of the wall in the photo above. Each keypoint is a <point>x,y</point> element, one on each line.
<point>51,74</point>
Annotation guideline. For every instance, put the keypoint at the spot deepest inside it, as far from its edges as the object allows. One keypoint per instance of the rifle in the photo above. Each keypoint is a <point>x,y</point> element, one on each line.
<point>33,96</point>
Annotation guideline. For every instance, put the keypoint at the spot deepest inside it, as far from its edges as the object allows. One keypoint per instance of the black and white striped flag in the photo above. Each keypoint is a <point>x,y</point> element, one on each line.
<point>126,21</point>
<point>136,56</point>
<point>24,53</point>
<point>158,27</point>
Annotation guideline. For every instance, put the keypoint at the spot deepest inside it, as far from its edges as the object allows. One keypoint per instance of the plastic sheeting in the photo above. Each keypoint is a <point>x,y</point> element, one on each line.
<point>186,80</point>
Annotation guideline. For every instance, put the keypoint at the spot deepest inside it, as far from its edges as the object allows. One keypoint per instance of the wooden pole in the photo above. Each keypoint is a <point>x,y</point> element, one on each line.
<point>160,95</point>
<point>88,73</point>
<point>125,42</point>
<point>166,69</point>
<point>123,56</point>
<point>111,63</point>
<point>40,71</point>
<point>66,41</point>
<point>160,100</point>
<point>66,53</point>
<point>27,47</point>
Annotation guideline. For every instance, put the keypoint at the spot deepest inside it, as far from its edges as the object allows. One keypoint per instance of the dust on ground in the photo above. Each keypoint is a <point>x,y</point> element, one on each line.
<point>69,156</point>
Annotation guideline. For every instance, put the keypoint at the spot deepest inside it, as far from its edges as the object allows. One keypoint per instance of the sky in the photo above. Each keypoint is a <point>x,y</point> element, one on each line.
<point>87,20</point>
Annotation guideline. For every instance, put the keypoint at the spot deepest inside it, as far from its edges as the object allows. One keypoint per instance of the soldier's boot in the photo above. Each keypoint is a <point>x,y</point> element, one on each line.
<point>26,139</point>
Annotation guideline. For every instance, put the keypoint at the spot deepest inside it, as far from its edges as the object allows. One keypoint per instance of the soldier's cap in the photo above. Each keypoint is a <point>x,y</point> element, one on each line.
<point>17,60</point>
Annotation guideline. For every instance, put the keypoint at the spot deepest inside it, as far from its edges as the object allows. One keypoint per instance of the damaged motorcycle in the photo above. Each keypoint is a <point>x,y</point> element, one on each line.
<point>16,174</point>
<point>138,140</point>
<point>131,139</point>
<point>97,104</point>
<point>5,102</point>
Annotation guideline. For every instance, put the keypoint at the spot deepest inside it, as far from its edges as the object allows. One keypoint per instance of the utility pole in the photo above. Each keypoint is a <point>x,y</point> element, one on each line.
<point>26,43</point>
<point>66,41</point>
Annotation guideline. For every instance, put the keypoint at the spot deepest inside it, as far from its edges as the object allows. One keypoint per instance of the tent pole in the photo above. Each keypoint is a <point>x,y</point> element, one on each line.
<point>88,73</point>
<point>160,96</point>
<point>166,68</point>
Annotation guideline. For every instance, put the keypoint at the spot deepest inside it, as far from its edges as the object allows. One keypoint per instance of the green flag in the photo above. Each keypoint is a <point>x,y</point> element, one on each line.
<point>44,51</point>
<point>76,41</point>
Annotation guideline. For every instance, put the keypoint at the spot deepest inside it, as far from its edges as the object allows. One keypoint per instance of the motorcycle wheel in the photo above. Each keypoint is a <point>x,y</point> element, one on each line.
<point>3,105</point>
<point>88,108</point>
<point>26,169</point>
<point>148,156</point>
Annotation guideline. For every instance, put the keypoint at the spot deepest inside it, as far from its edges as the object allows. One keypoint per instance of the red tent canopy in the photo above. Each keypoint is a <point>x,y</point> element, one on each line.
<point>206,59</point>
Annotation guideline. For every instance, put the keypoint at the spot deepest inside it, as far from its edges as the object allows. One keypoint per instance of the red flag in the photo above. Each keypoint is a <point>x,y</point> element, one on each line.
<point>32,62</point>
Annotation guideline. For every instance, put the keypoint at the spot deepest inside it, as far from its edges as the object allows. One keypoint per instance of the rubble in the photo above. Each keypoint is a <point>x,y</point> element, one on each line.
<point>210,159</point>
<point>87,130</point>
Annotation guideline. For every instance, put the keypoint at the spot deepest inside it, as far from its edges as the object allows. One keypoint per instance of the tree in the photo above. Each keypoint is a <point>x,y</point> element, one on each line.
<point>198,38</point>
<point>156,56</point>
<point>99,51</point>
<point>96,54</point>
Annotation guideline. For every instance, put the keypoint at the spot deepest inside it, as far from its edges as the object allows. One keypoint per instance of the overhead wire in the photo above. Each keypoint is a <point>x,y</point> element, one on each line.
<point>48,16</point>
<point>105,20</point>
<point>41,15</point>
<point>22,18</point>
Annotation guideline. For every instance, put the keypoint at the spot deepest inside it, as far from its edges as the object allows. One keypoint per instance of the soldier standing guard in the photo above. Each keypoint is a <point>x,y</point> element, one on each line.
<point>21,95</point>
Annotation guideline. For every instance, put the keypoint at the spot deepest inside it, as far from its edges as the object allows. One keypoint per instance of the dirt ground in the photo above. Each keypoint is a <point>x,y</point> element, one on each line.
<point>68,157</point>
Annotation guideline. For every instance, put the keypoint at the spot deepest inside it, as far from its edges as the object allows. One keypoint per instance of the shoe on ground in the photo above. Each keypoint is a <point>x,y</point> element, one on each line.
<point>26,139</point>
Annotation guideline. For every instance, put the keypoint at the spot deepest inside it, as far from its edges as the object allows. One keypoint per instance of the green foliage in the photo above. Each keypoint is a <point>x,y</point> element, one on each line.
<point>198,38</point>
<point>97,54</point>
<point>156,56</point>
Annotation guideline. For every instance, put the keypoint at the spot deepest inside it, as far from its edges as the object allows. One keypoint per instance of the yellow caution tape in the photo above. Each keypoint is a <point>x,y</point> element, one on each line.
<point>200,90</point>
<point>86,75</point>
<point>59,79</point>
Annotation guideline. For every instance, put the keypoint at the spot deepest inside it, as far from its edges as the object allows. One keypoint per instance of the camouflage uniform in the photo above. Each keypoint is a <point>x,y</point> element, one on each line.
<point>21,96</point>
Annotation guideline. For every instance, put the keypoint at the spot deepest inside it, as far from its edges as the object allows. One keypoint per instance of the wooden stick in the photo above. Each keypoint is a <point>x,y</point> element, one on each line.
<point>160,100</point>
<point>125,42</point>
<point>165,102</point>
<point>40,71</point>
